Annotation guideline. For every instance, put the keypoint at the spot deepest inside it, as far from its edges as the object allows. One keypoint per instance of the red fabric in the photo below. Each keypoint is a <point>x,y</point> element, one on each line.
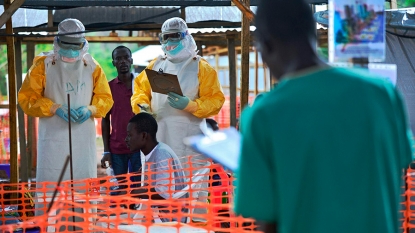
<point>121,113</point>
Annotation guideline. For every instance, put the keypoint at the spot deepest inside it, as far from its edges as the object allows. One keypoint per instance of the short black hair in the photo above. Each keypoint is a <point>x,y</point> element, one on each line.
<point>285,20</point>
<point>145,122</point>
<point>120,47</point>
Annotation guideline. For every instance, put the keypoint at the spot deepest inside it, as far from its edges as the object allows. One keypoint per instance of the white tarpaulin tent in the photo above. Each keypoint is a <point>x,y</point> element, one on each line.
<point>143,56</point>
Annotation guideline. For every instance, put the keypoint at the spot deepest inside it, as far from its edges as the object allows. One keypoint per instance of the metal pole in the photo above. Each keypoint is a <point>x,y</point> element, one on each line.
<point>14,167</point>
<point>70,156</point>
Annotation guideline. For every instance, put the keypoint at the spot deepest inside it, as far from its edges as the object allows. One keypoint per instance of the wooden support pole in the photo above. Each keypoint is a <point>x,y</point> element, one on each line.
<point>24,169</point>
<point>256,72</point>
<point>264,68</point>
<point>31,121</point>
<point>183,13</point>
<point>244,8</point>
<point>7,14</point>
<point>50,18</point>
<point>394,4</point>
<point>200,48</point>
<point>14,166</point>
<point>245,44</point>
<point>24,166</point>
<point>232,79</point>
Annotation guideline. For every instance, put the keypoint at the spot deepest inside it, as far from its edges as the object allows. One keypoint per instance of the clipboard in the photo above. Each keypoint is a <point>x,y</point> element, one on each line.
<point>223,146</point>
<point>163,82</point>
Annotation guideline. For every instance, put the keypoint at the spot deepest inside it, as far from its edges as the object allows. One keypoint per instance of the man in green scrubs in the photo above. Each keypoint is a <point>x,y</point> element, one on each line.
<point>324,151</point>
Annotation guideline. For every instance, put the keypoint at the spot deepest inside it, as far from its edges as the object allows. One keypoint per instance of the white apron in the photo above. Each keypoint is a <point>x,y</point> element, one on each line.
<point>175,124</point>
<point>53,143</point>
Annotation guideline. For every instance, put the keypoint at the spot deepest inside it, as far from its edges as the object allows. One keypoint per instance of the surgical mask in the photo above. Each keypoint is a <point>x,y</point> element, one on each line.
<point>69,53</point>
<point>179,47</point>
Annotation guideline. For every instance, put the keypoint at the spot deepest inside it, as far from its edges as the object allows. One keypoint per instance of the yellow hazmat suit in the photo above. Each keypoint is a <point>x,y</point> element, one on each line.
<point>47,83</point>
<point>31,95</point>
<point>198,81</point>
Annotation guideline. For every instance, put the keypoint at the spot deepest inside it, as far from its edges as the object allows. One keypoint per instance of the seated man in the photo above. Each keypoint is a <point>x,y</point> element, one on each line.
<point>160,161</point>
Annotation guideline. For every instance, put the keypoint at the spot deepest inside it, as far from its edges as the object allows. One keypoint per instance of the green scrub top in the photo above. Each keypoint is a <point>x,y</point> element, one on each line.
<point>325,152</point>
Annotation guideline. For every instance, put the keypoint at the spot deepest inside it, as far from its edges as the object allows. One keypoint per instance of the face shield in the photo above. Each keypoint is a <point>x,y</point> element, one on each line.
<point>70,47</point>
<point>164,37</point>
<point>176,41</point>
<point>66,42</point>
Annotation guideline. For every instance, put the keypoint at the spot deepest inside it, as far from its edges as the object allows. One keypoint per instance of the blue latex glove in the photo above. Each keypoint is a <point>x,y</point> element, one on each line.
<point>177,101</point>
<point>84,114</point>
<point>62,112</point>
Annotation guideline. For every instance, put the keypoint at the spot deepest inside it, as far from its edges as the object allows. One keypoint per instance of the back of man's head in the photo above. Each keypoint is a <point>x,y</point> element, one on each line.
<point>285,20</point>
<point>145,122</point>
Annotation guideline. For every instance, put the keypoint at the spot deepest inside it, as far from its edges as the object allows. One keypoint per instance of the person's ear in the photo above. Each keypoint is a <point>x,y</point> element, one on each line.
<point>145,135</point>
<point>113,63</point>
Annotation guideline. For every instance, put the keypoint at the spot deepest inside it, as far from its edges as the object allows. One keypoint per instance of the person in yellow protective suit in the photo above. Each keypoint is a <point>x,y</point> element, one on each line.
<point>179,116</point>
<point>68,69</point>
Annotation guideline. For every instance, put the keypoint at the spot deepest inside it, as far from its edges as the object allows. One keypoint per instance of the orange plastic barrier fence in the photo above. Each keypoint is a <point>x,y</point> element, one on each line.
<point>203,204</point>
<point>408,212</point>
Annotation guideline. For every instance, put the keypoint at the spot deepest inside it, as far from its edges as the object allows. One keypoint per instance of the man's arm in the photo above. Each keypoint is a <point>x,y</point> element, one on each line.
<point>211,97</point>
<point>30,96</point>
<point>255,164</point>
<point>102,98</point>
<point>142,90</point>
<point>105,130</point>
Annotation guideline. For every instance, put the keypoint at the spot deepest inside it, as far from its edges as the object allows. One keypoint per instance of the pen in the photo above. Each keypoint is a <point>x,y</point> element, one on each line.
<point>140,106</point>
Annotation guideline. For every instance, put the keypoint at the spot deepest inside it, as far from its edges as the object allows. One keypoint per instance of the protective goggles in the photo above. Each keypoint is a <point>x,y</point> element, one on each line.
<point>172,36</point>
<point>71,43</point>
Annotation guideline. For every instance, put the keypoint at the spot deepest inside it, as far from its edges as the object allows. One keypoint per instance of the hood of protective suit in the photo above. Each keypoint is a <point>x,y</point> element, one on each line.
<point>70,26</point>
<point>187,44</point>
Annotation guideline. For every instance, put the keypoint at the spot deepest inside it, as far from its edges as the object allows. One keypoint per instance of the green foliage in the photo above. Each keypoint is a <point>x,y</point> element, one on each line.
<point>407,3</point>
<point>3,70</point>
<point>102,52</point>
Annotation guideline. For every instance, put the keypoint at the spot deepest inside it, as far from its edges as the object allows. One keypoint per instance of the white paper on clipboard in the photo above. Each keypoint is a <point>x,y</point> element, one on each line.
<point>223,146</point>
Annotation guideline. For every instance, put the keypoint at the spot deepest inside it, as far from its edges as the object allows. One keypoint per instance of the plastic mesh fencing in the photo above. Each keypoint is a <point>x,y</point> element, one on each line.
<point>132,204</point>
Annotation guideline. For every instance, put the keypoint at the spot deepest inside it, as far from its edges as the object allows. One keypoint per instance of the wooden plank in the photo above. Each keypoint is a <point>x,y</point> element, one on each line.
<point>256,72</point>
<point>134,27</point>
<point>50,18</point>
<point>245,43</point>
<point>183,13</point>
<point>246,11</point>
<point>14,166</point>
<point>232,79</point>
<point>7,14</point>
<point>24,166</point>
<point>31,121</point>
<point>200,48</point>
<point>394,4</point>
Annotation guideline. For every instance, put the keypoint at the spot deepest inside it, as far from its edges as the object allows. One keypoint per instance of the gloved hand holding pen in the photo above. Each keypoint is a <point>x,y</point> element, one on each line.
<point>145,108</point>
